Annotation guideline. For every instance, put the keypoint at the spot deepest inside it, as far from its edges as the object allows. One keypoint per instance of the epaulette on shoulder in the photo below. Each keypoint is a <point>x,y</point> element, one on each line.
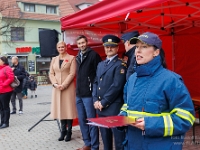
<point>124,64</point>
<point>120,59</point>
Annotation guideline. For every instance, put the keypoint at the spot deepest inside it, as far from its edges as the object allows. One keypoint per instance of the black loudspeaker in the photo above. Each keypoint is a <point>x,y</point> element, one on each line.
<point>48,40</point>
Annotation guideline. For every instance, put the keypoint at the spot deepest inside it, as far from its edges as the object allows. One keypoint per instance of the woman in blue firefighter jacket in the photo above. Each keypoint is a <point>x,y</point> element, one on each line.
<point>158,98</point>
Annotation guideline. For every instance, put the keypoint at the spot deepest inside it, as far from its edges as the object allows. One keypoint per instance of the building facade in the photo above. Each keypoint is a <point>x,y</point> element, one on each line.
<point>25,19</point>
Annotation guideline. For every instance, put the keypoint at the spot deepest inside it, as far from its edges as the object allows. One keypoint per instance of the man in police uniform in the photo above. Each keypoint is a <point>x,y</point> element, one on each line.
<point>130,51</point>
<point>108,90</point>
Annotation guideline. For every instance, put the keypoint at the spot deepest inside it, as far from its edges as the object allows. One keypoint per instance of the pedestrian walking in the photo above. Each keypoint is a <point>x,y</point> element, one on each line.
<point>25,86</point>
<point>19,72</point>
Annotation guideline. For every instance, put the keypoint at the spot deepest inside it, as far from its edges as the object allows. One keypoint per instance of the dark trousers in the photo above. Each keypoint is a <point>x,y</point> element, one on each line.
<point>13,101</point>
<point>86,110</point>
<point>107,138</point>
<point>5,107</point>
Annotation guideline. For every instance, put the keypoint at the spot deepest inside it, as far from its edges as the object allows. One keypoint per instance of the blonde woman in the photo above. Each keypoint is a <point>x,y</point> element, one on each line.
<point>62,74</point>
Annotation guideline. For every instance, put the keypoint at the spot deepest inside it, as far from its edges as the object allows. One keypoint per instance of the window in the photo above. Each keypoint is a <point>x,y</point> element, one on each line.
<point>29,7</point>
<point>17,34</point>
<point>51,9</point>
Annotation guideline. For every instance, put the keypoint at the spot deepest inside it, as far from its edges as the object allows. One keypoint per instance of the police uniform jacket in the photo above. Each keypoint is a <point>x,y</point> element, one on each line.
<point>161,98</point>
<point>108,86</point>
<point>131,62</point>
<point>130,54</point>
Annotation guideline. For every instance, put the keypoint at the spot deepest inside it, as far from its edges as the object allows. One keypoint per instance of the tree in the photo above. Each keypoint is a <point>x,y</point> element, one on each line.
<point>10,16</point>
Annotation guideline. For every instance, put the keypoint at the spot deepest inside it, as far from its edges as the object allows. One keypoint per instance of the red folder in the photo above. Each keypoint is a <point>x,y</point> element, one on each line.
<point>111,121</point>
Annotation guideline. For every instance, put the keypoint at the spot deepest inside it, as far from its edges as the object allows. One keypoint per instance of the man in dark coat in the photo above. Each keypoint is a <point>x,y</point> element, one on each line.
<point>87,61</point>
<point>20,73</point>
<point>130,51</point>
<point>108,90</point>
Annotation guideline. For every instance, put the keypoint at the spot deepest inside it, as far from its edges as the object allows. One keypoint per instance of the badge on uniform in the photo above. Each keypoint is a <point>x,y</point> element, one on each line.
<point>122,71</point>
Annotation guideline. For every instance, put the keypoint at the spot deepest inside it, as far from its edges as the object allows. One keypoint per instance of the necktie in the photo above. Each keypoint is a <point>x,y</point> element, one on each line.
<point>107,62</point>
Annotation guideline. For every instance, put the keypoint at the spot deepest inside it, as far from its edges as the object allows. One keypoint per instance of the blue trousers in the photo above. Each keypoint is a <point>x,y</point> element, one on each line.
<point>86,110</point>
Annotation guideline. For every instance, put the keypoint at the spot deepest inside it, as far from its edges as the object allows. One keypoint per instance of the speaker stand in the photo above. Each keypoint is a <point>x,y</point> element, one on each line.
<point>42,119</point>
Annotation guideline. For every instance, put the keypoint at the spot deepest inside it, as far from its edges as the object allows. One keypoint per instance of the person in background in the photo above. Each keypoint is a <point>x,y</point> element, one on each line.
<point>130,51</point>
<point>25,86</point>
<point>158,98</point>
<point>87,61</point>
<point>32,86</point>
<point>6,78</point>
<point>108,91</point>
<point>20,73</point>
<point>63,104</point>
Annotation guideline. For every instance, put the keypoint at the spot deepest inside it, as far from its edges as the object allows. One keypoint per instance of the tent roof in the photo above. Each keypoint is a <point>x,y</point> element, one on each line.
<point>166,16</point>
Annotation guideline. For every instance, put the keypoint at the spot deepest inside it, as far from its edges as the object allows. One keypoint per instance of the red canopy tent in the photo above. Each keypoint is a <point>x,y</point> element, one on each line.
<point>176,21</point>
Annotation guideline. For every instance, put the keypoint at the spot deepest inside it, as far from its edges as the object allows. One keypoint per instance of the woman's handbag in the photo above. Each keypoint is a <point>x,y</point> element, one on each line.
<point>15,83</point>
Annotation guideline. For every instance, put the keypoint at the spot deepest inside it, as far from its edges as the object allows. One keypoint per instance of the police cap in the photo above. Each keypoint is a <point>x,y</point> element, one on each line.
<point>127,36</point>
<point>110,40</point>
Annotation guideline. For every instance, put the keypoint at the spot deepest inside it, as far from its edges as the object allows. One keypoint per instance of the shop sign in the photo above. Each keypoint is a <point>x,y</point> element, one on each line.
<point>34,50</point>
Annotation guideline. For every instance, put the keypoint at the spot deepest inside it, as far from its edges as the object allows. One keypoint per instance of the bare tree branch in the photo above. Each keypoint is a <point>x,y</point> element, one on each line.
<point>11,16</point>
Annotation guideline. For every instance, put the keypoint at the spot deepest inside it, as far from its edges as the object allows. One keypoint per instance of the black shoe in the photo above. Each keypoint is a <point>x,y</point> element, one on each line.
<point>62,136</point>
<point>31,96</point>
<point>35,96</point>
<point>68,137</point>
<point>4,126</point>
<point>13,112</point>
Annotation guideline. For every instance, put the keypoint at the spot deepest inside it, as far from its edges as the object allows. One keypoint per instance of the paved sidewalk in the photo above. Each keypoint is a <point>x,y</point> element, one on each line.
<point>44,136</point>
